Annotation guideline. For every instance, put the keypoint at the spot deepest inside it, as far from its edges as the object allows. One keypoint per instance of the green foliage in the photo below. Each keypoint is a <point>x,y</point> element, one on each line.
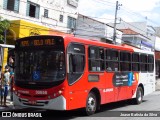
<point>4,25</point>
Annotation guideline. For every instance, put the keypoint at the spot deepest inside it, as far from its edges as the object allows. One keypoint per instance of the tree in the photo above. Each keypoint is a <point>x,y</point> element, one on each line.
<point>4,26</point>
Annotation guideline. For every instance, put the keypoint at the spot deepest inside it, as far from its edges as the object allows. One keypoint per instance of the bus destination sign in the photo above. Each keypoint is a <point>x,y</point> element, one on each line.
<point>41,42</point>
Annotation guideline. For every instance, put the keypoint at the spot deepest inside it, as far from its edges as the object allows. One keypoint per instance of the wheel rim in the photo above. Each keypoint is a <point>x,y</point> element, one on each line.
<point>91,104</point>
<point>139,95</point>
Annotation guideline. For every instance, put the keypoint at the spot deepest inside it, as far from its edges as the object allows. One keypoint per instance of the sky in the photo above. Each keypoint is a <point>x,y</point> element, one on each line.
<point>129,10</point>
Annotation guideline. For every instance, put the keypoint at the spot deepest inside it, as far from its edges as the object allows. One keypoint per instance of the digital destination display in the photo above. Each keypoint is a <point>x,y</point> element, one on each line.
<point>36,42</point>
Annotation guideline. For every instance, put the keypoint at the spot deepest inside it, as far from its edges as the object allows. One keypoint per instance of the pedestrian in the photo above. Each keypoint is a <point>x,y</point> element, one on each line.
<point>1,91</point>
<point>11,70</point>
<point>5,81</point>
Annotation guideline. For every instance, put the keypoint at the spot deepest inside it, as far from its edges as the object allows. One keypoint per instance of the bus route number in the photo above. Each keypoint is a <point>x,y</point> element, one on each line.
<point>49,42</point>
<point>25,43</point>
<point>43,42</point>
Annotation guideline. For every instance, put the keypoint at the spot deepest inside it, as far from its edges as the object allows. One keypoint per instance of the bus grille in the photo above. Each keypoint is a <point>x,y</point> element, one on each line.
<point>33,103</point>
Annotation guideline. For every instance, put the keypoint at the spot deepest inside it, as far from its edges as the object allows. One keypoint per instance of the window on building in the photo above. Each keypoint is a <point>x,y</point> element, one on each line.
<point>46,13</point>
<point>71,22</point>
<point>96,59</point>
<point>112,57</point>
<point>33,9</point>
<point>125,61</point>
<point>61,18</point>
<point>12,5</point>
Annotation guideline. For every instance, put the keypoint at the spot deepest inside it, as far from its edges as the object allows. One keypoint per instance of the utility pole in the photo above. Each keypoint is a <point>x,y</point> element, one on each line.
<point>115,22</point>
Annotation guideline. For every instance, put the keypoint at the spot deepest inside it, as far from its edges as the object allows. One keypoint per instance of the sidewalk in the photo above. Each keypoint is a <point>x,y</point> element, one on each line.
<point>9,105</point>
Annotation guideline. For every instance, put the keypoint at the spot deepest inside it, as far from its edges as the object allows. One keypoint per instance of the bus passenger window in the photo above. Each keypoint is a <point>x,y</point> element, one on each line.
<point>96,58</point>
<point>150,63</point>
<point>125,61</point>
<point>112,66</point>
<point>112,57</point>
<point>143,64</point>
<point>135,62</point>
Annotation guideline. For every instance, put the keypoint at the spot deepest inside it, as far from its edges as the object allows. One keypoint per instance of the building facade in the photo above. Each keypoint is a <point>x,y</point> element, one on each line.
<point>55,15</point>
<point>90,28</point>
<point>138,34</point>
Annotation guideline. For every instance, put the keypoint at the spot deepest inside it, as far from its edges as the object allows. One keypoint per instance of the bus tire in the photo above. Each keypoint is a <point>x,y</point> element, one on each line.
<point>139,96</point>
<point>91,104</point>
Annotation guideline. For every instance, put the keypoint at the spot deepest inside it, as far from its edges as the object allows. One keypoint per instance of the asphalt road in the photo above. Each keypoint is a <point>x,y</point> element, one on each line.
<point>148,109</point>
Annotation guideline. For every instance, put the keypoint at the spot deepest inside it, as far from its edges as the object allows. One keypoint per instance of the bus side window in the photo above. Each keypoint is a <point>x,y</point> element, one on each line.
<point>96,58</point>
<point>135,62</point>
<point>76,60</point>
<point>150,63</point>
<point>125,61</point>
<point>76,63</point>
<point>112,57</point>
<point>143,64</point>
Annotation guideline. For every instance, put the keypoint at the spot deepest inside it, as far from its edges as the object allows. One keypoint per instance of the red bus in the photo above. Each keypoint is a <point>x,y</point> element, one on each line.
<point>66,73</point>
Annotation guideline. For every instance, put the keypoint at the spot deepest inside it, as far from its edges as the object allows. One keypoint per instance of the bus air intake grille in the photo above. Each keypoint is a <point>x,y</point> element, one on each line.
<point>35,103</point>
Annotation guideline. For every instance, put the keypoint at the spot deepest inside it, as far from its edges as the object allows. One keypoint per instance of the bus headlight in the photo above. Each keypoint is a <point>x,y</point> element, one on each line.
<point>14,89</point>
<point>60,91</point>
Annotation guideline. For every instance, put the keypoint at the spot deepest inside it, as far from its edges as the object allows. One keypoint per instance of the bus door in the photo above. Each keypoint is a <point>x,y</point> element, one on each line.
<point>76,64</point>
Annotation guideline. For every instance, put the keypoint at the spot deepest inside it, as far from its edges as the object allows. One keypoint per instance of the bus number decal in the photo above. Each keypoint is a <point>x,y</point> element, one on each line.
<point>38,92</point>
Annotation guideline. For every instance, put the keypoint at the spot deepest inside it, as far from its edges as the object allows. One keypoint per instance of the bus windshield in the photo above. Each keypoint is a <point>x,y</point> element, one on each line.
<point>42,65</point>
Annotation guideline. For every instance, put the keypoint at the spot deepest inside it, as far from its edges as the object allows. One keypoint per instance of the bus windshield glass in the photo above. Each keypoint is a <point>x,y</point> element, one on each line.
<point>40,65</point>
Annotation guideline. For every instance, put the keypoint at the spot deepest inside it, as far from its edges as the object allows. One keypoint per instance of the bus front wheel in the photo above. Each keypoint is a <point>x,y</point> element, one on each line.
<point>91,104</point>
<point>139,96</point>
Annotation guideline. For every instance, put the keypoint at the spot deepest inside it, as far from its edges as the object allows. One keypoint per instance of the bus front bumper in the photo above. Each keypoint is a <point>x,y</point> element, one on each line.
<point>58,103</point>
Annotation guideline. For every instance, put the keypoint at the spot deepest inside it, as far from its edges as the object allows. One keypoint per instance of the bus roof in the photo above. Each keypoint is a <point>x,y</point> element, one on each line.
<point>98,43</point>
<point>7,46</point>
<point>94,43</point>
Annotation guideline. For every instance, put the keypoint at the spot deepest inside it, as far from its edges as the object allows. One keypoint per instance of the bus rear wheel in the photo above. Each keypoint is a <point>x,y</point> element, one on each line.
<point>139,96</point>
<point>91,104</point>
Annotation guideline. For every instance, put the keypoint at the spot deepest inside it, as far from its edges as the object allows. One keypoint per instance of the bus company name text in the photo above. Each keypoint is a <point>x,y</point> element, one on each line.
<point>10,114</point>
